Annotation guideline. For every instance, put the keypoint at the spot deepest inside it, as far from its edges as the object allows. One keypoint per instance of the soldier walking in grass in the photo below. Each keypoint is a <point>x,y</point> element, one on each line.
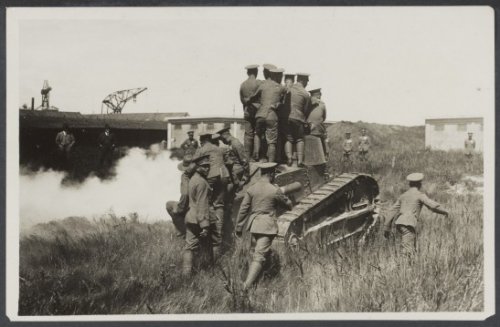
<point>470,146</point>
<point>347,147</point>
<point>258,215</point>
<point>201,224</point>
<point>406,211</point>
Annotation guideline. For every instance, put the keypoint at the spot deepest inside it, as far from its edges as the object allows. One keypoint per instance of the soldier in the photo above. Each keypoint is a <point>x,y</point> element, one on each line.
<point>235,157</point>
<point>201,229</point>
<point>406,212</point>
<point>177,210</point>
<point>316,119</point>
<point>299,108</point>
<point>64,141</point>
<point>364,145</point>
<point>470,146</point>
<point>283,114</point>
<point>218,176</point>
<point>258,214</point>
<point>190,145</point>
<point>107,146</point>
<point>289,80</point>
<point>271,95</point>
<point>267,70</point>
<point>347,147</point>
<point>247,89</point>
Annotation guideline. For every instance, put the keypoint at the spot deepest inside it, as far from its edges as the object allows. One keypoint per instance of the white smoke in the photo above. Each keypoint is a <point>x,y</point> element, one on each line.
<point>144,181</point>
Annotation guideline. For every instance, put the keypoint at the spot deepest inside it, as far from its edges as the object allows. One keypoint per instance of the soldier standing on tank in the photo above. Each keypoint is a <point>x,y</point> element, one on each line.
<point>271,95</point>
<point>247,89</point>
<point>316,119</point>
<point>406,211</point>
<point>470,146</point>
<point>283,114</point>
<point>300,104</point>
<point>258,214</point>
<point>64,141</point>
<point>347,147</point>
<point>218,177</point>
<point>190,145</point>
<point>177,210</point>
<point>201,224</point>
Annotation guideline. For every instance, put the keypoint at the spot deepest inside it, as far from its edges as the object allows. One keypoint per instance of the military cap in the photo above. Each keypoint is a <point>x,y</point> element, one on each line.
<point>348,132</point>
<point>224,130</point>
<point>269,66</point>
<point>266,166</point>
<point>251,67</point>
<point>415,177</point>
<point>277,70</point>
<point>315,91</point>
<point>202,160</point>
<point>303,75</point>
<point>182,166</point>
<point>190,132</point>
<point>205,137</point>
<point>289,75</point>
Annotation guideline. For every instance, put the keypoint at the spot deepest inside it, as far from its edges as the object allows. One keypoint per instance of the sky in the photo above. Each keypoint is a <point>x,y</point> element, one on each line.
<point>384,65</point>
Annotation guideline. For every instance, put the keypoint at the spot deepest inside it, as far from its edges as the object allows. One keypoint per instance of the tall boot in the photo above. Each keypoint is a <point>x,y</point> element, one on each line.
<point>256,148</point>
<point>289,153</point>
<point>253,273</point>
<point>271,152</point>
<point>300,153</point>
<point>187,263</point>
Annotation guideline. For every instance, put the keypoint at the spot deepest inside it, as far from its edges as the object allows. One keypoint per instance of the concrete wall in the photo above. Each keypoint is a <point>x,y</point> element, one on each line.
<point>450,134</point>
<point>178,131</point>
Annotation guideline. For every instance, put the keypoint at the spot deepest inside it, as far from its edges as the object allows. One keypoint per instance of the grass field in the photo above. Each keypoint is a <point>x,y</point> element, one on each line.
<point>116,265</point>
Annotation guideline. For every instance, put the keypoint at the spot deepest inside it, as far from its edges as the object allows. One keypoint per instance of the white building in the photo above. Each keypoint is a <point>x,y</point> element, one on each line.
<point>450,133</point>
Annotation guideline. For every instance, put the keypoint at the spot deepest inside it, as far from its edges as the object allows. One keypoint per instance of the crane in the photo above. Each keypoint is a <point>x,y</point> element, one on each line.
<point>117,100</point>
<point>45,97</point>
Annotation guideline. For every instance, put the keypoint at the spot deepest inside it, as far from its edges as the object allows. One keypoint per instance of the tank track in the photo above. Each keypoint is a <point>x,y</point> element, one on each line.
<point>347,197</point>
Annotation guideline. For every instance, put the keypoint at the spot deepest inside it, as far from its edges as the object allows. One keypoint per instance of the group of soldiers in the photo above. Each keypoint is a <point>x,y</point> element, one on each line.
<point>65,141</point>
<point>278,116</point>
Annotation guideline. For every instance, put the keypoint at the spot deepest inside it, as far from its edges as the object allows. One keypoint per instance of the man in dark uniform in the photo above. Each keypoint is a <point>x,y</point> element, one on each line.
<point>470,146</point>
<point>406,211</point>
<point>64,141</point>
<point>258,214</point>
<point>190,145</point>
<point>177,210</point>
<point>247,89</point>
<point>271,95</point>
<point>218,177</point>
<point>317,118</point>
<point>107,146</point>
<point>201,230</point>
<point>300,104</point>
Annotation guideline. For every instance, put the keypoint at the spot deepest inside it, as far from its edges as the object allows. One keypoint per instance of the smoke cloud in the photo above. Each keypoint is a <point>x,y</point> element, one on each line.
<point>144,181</point>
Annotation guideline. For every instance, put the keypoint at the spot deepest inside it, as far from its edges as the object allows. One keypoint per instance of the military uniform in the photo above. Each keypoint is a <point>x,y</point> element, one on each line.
<point>107,145</point>
<point>198,218</point>
<point>364,146</point>
<point>406,211</point>
<point>271,95</point>
<point>247,89</point>
<point>189,146</point>
<point>258,215</point>
<point>64,141</point>
<point>237,159</point>
<point>470,146</point>
<point>316,119</point>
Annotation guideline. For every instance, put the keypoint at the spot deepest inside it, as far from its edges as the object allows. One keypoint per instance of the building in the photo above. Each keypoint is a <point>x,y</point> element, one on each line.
<point>178,128</point>
<point>450,133</point>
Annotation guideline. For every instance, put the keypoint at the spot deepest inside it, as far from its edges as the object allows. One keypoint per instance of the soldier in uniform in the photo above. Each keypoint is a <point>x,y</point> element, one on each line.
<point>267,70</point>
<point>406,211</point>
<point>107,145</point>
<point>177,210</point>
<point>247,89</point>
<point>300,103</point>
<point>271,94</point>
<point>64,141</point>
<point>283,114</point>
<point>218,176</point>
<point>364,145</point>
<point>470,146</point>
<point>258,214</point>
<point>316,119</point>
<point>347,146</point>
<point>190,145</point>
<point>201,229</point>
<point>289,81</point>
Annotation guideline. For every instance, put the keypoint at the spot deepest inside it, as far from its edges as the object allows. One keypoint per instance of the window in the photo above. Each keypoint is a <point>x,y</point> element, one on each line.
<point>439,127</point>
<point>210,126</point>
<point>461,127</point>
<point>178,126</point>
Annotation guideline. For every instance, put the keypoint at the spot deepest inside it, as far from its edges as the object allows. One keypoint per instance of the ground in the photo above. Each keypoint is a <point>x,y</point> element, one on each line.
<point>122,265</point>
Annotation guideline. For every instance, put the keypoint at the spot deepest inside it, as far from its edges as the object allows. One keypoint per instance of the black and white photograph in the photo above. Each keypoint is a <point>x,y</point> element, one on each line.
<point>250,163</point>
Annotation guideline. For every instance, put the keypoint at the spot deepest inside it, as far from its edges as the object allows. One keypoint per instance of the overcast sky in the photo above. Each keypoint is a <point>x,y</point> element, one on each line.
<point>385,65</point>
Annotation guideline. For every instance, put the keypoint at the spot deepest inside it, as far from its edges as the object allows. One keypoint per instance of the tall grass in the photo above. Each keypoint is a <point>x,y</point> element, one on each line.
<point>119,265</point>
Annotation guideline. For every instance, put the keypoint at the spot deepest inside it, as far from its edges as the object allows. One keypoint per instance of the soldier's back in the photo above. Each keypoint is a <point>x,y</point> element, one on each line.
<point>299,100</point>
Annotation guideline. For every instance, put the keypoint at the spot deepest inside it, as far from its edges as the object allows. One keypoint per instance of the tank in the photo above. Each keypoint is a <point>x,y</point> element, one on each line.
<point>325,210</point>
